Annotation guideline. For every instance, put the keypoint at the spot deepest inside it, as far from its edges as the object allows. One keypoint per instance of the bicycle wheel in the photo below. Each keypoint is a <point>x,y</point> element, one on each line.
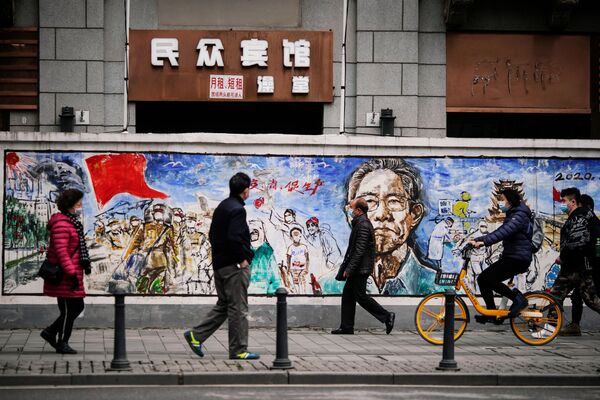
<point>430,317</point>
<point>540,322</point>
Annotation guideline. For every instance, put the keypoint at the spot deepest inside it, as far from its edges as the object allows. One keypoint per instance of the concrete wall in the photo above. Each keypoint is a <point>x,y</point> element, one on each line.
<point>395,55</point>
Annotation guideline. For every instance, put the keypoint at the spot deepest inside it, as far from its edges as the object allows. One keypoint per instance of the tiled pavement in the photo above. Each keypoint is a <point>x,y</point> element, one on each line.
<point>163,352</point>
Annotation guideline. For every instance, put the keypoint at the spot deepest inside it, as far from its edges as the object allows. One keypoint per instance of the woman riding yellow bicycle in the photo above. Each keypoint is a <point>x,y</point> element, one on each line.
<point>535,317</point>
<point>515,235</point>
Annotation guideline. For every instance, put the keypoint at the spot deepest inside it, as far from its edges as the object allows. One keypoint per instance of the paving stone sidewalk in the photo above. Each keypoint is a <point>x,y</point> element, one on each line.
<point>164,352</point>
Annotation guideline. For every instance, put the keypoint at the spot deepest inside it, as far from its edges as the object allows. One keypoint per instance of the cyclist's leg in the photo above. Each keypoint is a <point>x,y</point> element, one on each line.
<point>490,280</point>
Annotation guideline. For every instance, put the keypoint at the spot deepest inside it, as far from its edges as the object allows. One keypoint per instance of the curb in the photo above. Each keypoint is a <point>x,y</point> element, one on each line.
<point>301,378</point>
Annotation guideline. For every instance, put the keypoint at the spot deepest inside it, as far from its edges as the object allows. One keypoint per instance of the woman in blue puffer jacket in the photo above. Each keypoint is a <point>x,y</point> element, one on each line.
<point>515,235</point>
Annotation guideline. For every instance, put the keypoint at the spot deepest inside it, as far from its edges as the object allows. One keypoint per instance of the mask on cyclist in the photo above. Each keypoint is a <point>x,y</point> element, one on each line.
<point>564,209</point>
<point>502,206</point>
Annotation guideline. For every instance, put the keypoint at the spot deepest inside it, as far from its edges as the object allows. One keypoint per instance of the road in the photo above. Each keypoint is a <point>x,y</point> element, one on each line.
<point>293,392</point>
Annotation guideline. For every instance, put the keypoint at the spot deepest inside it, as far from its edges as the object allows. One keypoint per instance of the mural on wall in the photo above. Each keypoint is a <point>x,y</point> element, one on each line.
<point>147,216</point>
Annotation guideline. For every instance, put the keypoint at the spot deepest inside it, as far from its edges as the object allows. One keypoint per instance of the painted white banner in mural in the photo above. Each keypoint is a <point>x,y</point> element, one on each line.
<point>147,216</point>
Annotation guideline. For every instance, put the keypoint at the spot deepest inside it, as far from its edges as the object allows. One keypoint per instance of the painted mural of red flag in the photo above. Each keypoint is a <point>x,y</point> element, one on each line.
<point>112,174</point>
<point>555,194</point>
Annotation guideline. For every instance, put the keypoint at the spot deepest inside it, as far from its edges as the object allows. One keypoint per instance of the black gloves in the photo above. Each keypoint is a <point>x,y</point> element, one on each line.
<point>87,266</point>
<point>75,282</point>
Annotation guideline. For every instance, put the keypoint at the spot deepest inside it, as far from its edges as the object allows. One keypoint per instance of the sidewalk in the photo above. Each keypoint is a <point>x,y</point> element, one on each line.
<point>485,357</point>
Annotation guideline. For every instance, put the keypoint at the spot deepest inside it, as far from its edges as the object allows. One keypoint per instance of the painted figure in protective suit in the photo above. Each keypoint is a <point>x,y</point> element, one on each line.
<point>153,251</point>
<point>115,235</point>
<point>195,252</point>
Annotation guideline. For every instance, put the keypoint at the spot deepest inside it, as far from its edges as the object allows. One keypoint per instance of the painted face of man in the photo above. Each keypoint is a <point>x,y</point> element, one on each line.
<point>288,217</point>
<point>135,223</point>
<point>390,209</point>
<point>190,223</point>
<point>311,228</point>
<point>158,216</point>
<point>254,235</point>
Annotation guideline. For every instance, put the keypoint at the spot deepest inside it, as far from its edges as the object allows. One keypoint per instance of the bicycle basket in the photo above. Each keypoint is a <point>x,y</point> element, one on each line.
<point>446,278</point>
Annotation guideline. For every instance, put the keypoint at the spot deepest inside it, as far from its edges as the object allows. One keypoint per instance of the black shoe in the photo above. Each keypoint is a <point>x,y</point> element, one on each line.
<point>64,348</point>
<point>49,337</point>
<point>341,331</point>
<point>519,304</point>
<point>389,323</point>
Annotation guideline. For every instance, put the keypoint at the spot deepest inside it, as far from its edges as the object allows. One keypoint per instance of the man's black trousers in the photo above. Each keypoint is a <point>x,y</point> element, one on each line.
<point>355,291</point>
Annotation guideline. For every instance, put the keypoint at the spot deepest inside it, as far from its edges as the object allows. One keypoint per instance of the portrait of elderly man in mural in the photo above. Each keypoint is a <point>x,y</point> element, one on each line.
<point>392,189</point>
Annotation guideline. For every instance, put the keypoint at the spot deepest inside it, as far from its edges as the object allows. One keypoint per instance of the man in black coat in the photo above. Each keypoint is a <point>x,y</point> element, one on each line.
<point>356,269</point>
<point>577,252</point>
<point>232,255</point>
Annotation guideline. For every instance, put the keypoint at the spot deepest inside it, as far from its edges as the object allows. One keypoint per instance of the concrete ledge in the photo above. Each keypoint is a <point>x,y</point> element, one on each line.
<point>180,316</point>
<point>278,144</point>
<point>35,380</point>
<point>125,378</point>
<point>449,378</point>
<point>549,380</point>
<point>236,378</point>
<point>341,378</point>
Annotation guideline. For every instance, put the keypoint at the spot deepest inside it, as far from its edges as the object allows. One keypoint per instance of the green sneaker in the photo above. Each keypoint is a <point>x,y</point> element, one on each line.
<point>194,344</point>
<point>245,356</point>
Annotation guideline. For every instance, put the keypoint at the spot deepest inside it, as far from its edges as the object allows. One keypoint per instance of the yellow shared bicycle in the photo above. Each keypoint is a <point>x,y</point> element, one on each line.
<point>536,325</point>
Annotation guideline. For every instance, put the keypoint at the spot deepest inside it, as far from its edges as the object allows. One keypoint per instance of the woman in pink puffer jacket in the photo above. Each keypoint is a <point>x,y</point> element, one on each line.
<point>66,248</point>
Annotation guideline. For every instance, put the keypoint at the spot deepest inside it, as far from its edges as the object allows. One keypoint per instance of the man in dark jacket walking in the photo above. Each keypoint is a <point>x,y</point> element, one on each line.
<point>577,256</point>
<point>232,255</point>
<point>356,269</point>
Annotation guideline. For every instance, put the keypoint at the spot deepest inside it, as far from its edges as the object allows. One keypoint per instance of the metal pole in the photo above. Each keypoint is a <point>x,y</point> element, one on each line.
<point>448,363</point>
<point>343,72</point>
<point>281,353</point>
<point>119,362</point>
<point>126,69</point>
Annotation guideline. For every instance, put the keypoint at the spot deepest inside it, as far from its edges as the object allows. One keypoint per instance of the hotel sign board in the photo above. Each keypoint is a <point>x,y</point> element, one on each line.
<point>521,73</point>
<point>252,66</point>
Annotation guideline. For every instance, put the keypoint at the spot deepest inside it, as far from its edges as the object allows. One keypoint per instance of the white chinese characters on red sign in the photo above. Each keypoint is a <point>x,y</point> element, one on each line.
<point>226,87</point>
<point>254,53</point>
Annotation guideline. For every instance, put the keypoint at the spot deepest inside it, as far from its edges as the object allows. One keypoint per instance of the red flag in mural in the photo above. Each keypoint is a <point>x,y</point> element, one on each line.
<point>112,174</point>
<point>555,194</point>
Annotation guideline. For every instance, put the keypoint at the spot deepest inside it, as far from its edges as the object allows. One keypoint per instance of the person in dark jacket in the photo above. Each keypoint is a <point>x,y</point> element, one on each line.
<point>356,268</point>
<point>232,255</point>
<point>576,257</point>
<point>68,249</point>
<point>515,234</point>
<point>573,328</point>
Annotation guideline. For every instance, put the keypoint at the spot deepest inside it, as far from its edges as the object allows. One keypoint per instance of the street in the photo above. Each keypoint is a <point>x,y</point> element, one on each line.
<point>332,392</point>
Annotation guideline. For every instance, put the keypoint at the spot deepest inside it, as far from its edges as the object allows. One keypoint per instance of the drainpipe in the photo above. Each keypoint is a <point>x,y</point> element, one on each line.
<point>126,69</point>
<point>343,74</point>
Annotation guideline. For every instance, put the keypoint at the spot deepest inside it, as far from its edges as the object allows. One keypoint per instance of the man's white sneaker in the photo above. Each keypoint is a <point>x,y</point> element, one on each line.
<point>546,331</point>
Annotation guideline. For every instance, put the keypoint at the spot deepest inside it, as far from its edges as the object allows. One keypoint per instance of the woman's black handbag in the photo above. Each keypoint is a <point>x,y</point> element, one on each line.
<point>51,273</point>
